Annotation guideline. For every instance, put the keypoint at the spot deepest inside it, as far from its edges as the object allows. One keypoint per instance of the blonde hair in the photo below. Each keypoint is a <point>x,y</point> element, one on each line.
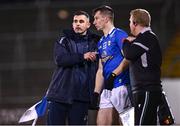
<point>141,17</point>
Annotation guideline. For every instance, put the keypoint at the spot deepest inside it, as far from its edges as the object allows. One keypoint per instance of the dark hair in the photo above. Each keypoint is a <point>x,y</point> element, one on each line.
<point>105,10</point>
<point>80,12</point>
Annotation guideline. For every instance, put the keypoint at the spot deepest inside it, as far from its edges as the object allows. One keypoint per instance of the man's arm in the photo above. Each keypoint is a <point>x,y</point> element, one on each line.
<point>134,50</point>
<point>98,87</point>
<point>109,83</point>
<point>122,66</point>
<point>63,56</point>
<point>99,78</point>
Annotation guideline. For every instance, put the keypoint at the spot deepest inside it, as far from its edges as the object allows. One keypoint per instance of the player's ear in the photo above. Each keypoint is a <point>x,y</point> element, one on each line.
<point>88,25</point>
<point>134,23</point>
<point>106,19</point>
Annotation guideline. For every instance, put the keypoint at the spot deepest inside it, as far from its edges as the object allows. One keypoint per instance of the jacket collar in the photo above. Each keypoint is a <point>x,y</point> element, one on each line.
<point>71,34</point>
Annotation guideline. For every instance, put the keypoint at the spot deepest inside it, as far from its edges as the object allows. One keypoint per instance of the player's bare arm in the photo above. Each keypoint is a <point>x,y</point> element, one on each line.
<point>122,66</point>
<point>99,78</point>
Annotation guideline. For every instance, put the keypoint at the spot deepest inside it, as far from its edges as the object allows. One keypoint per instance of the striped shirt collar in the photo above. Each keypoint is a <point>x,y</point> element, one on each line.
<point>145,29</point>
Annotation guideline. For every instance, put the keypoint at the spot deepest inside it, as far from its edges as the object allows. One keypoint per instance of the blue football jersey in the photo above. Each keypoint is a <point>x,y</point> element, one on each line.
<point>109,49</point>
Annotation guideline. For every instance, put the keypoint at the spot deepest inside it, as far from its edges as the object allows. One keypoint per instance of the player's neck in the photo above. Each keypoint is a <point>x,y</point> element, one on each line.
<point>108,28</point>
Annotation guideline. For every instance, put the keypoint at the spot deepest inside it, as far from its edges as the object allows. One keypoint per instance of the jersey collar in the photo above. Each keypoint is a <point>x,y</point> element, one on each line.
<point>110,31</point>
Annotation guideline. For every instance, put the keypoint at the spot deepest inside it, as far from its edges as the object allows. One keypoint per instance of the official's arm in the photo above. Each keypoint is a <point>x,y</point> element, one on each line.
<point>133,50</point>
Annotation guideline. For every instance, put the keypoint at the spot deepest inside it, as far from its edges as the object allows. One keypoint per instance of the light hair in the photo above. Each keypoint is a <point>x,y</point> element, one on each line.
<point>141,17</point>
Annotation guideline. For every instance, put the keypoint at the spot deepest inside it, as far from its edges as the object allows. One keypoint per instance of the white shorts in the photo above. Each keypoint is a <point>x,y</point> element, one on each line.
<point>117,98</point>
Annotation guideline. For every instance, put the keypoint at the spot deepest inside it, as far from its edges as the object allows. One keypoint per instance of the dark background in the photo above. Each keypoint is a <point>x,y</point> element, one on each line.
<point>29,28</point>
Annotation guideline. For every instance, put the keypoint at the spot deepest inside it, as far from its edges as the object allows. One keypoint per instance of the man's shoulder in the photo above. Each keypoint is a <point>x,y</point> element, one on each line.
<point>120,32</point>
<point>93,36</point>
<point>61,40</point>
<point>64,35</point>
<point>147,36</point>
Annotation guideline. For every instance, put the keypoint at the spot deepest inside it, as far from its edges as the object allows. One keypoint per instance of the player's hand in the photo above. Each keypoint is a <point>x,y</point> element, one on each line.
<point>109,83</point>
<point>95,101</point>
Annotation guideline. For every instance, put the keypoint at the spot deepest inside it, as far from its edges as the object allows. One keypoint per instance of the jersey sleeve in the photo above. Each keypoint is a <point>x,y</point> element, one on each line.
<point>120,35</point>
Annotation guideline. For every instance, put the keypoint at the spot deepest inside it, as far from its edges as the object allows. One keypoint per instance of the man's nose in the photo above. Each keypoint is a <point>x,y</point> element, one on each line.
<point>77,23</point>
<point>94,22</point>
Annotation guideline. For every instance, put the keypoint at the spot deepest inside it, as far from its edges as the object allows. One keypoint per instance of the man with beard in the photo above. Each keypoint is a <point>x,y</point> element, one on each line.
<point>73,80</point>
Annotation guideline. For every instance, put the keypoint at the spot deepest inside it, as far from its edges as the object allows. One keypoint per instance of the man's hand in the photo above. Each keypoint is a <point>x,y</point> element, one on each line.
<point>90,56</point>
<point>129,39</point>
<point>95,101</point>
<point>109,83</point>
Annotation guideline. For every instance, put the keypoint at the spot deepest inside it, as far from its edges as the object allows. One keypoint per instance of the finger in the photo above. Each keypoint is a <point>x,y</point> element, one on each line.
<point>92,57</point>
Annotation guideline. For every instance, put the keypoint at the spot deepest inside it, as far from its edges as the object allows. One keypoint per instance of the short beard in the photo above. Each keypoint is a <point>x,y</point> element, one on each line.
<point>82,33</point>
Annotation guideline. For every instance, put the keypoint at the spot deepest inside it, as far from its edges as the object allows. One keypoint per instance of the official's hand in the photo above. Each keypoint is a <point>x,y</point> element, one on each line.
<point>128,39</point>
<point>109,83</point>
<point>95,101</point>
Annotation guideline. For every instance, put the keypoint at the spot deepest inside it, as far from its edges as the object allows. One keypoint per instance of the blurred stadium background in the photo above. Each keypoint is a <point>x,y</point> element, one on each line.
<point>28,29</point>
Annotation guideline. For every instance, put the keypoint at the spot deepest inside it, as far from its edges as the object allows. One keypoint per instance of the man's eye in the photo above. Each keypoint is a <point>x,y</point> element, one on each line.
<point>81,21</point>
<point>75,21</point>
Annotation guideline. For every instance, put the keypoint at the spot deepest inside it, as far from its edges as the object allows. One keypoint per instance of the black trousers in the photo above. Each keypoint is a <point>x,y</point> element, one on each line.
<point>146,104</point>
<point>71,114</point>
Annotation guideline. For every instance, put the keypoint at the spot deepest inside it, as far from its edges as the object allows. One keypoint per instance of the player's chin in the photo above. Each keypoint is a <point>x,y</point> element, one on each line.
<point>78,31</point>
<point>98,28</point>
